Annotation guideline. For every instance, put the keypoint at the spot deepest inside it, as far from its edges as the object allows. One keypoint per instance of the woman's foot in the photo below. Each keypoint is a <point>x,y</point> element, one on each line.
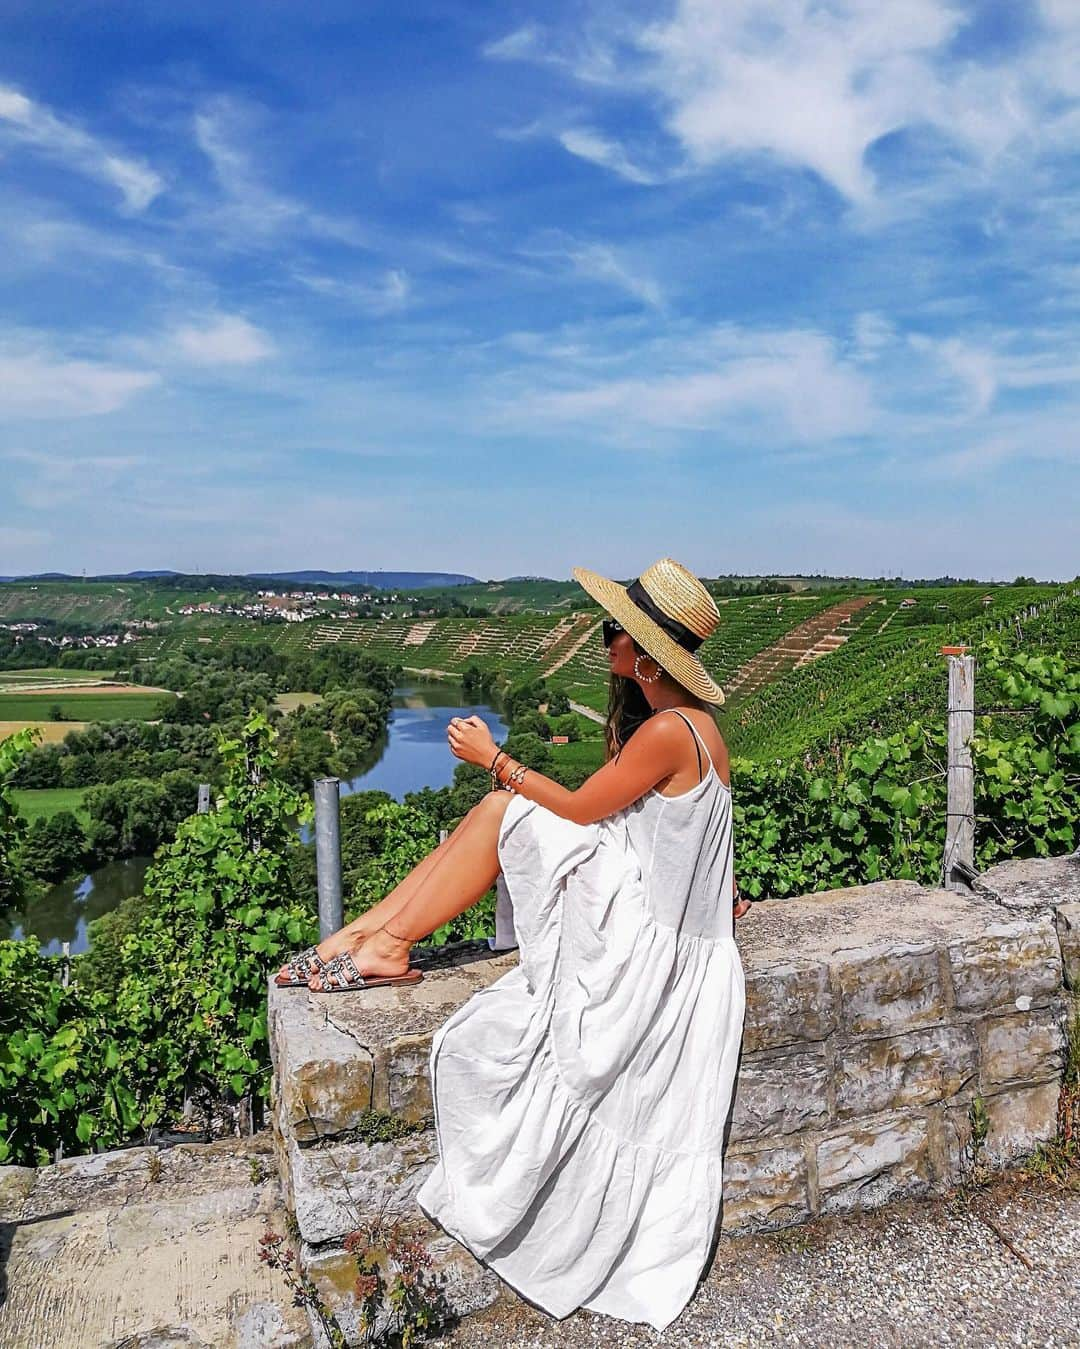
<point>345,939</point>
<point>381,955</point>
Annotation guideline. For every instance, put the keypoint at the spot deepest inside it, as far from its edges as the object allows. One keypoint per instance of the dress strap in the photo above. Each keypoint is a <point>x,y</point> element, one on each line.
<point>697,740</point>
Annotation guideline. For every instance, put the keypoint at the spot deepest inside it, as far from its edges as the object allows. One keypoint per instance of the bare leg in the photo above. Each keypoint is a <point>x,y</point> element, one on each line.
<point>465,872</point>
<point>369,922</point>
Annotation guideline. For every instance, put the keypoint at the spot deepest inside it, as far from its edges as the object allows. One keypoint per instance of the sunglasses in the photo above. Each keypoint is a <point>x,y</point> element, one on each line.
<point>612,627</point>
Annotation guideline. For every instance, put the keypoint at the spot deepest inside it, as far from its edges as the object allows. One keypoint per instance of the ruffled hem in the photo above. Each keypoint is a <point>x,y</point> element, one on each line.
<point>564,1211</point>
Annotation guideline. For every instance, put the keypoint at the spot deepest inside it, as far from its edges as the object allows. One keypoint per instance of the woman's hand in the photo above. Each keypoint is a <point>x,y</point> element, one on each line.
<point>741,905</point>
<point>471,740</point>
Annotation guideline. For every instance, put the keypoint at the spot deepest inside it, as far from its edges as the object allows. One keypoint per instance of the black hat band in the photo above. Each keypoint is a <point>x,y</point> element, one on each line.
<point>679,632</point>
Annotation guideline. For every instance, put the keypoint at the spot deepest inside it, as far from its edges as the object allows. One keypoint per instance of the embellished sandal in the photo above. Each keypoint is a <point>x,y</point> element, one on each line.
<point>341,975</point>
<point>301,967</point>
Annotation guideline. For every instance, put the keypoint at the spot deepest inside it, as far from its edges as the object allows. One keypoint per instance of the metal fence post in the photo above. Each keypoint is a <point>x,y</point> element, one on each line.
<point>204,798</point>
<point>958,865</point>
<point>328,854</point>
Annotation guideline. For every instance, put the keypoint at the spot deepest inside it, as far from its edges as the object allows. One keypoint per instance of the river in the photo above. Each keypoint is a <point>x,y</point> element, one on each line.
<point>413,754</point>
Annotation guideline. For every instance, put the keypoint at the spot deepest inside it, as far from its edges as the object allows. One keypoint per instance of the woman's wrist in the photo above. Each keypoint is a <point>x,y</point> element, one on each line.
<point>495,767</point>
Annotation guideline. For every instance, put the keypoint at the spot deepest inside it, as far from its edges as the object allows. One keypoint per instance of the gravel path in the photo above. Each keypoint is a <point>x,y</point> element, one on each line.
<point>917,1273</point>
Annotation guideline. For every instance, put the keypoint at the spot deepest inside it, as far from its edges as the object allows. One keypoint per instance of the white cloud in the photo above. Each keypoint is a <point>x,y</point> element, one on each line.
<point>781,387</point>
<point>602,264</point>
<point>58,478</point>
<point>26,122</point>
<point>40,385</point>
<point>521,44</point>
<point>387,294</point>
<point>225,340</point>
<point>224,127</point>
<point>597,149</point>
<point>873,334</point>
<point>817,86</point>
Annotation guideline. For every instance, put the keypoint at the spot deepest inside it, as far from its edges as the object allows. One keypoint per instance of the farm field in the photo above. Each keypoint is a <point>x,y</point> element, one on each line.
<point>42,803</point>
<point>51,732</point>
<point>102,704</point>
<point>289,702</point>
<point>587,754</point>
<point>13,680</point>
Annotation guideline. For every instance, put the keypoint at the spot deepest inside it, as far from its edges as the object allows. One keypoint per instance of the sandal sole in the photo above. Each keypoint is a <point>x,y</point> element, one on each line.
<point>371,983</point>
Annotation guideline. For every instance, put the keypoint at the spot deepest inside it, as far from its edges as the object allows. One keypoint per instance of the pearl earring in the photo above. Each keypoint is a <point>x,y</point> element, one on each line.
<point>645,679</point>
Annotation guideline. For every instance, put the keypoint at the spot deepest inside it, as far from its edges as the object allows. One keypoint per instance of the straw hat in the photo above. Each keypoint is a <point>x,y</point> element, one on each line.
<point>669,613</point>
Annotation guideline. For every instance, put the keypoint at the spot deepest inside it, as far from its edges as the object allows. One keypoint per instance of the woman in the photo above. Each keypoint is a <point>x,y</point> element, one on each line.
<point>580,1101</point>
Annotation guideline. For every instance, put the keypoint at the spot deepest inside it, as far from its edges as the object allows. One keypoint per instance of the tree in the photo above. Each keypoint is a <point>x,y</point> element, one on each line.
<point>55,846</point>
<point>191,994</point>
<point>13,880</point>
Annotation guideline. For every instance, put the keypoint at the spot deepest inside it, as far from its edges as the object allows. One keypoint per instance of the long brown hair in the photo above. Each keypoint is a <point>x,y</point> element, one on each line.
<point>627,709</point>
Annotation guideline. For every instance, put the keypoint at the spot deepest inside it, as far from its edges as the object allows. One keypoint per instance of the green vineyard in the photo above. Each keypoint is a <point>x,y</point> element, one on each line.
<point>802,672</point>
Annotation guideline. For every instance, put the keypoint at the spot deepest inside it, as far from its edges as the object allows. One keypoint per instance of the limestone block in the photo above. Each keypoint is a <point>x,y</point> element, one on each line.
<point>764,1188</point>
<point>1022,1046</point>
<point>468,1286</point>
<point>886,989</point>
<point>162,1337</point>
<point>334,1185</point>
<point>324,1077</point>
<point>1067,919</point>
<point>16,1182</point>
<point>408,1081</point>
<point>868,1164</point>
<point>1019,1118</point>
<point>786,1004</point>
<point>780,1094</point>
<point>1031,883</point>
<point>1010,960</point>
<point>263,1325</point>
<point>905,1070</point>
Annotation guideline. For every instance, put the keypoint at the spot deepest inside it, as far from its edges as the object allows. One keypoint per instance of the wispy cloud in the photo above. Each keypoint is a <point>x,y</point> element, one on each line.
<point>56,479</point>
<point>597,149</point>
<point>227,339</point>
<point>41,384</point>
<point>224,128</point>
<point>388,293</point>
<point>779,387</point>
<point>24,122</point>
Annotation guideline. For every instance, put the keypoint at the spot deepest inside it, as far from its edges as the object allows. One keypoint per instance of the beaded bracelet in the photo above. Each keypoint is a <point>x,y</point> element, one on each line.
<point>516,776</point>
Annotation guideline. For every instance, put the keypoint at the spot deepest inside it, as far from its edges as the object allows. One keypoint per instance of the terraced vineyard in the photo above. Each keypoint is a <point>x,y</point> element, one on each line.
<point>747,627</point>
<point>891,672</point>
<point>799,670</point>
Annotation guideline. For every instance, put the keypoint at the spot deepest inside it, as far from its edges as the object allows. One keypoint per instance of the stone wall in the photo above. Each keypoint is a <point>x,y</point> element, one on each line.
<point>875,1016</point>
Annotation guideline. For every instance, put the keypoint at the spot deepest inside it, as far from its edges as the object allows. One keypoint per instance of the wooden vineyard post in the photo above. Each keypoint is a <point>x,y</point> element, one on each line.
<point>958,865</point>
<point>328,854</point>
<point>204,798</point>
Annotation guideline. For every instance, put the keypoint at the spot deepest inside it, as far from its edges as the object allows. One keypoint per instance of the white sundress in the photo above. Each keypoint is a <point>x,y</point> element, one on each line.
<point>580,1101</point>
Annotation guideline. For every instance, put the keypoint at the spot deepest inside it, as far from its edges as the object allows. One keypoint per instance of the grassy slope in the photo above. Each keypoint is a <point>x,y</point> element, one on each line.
<point>34,803</point>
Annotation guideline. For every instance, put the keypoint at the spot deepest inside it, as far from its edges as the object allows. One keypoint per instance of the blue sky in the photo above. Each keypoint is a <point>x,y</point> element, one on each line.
<point>501,289</point>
